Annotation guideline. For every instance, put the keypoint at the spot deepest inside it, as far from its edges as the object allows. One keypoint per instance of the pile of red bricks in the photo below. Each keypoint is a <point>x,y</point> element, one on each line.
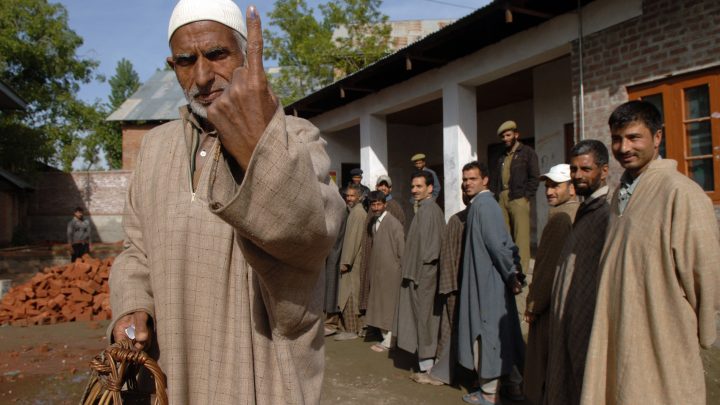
<point>74,292</point>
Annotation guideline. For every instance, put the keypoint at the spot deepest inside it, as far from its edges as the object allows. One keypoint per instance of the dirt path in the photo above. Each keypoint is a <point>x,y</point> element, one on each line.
<point>48,365</point>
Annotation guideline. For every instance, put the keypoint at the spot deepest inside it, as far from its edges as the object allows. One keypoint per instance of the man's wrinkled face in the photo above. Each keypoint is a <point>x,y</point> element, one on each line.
<point>377,207</point>
<point>356,179</point>
<point>384,188</point>
<point>419,164</point>
<point>587,176</point>
<point>473,182</point>
<point>419,189</point>
<point>509,137</point>
<point>352,197</point>
<point>634,146</point>
<point>204,56</point>
<point>558,193</point>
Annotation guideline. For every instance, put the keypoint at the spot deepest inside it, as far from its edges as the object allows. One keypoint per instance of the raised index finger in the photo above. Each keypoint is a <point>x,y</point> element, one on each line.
<point>254,42</point>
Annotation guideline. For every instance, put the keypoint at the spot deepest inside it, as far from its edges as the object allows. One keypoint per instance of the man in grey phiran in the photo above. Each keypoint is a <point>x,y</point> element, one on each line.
<point>225,278</point>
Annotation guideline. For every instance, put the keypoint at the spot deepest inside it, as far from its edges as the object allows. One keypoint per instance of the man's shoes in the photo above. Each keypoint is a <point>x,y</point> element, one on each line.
<point>345,336</point>
<point>512,392</point>
<point>477,398</point>
<point>425,378</point>
<point>330,331</point>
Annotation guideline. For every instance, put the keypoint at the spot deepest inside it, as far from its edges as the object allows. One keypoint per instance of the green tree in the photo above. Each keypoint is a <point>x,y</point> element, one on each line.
<point>107,135</point>
<point>38,59</point>
<point>310,56</point>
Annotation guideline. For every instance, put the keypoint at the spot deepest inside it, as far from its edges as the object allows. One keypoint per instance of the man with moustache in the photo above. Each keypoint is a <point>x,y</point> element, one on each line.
<point>489,337</point>
<point>385,274</point>
<point>350,264</point>
<point>660,286</point>
<point>514,183</point>
<point>560,194</point>
<point>417,321</point>
<point>219,277</point>
<point>572,301</point>
<point>451,252</point>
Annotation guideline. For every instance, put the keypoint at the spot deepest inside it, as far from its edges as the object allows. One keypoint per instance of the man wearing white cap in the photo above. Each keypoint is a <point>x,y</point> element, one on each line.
<point>221,276</point>
<point>560,195</point>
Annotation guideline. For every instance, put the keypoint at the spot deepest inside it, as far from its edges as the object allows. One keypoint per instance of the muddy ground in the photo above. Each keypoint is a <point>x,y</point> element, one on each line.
<point>48,365</point>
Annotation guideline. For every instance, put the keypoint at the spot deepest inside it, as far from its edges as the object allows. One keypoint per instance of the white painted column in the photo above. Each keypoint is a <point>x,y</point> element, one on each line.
<point>459,141</point>
<point>373,148</point>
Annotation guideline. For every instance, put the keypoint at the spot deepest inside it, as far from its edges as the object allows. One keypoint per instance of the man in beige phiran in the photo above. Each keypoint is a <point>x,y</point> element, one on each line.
<point>222,275</point>
<point>560,194</point>
<point>659,291</point>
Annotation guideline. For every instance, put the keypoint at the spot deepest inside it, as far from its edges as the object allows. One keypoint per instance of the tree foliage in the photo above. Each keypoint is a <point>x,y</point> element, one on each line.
<point>38,59</point>
<point>108,134</point>
<point>313,52</point>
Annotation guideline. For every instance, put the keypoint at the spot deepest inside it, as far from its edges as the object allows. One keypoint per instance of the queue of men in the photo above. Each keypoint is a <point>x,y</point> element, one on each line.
<point>620,280</point>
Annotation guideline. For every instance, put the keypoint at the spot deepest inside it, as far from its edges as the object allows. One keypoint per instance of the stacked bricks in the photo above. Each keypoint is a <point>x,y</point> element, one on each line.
<point>74,292</point>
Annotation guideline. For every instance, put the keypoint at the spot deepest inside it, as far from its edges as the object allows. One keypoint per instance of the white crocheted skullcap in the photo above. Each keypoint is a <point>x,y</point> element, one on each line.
<point>225,12</point>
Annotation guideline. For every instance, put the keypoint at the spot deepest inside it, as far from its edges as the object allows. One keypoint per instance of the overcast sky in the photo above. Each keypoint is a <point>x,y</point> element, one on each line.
<point>137,29</point>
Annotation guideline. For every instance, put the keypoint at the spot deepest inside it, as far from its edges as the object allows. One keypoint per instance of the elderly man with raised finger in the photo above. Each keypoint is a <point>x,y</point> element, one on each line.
<point>222,275</point>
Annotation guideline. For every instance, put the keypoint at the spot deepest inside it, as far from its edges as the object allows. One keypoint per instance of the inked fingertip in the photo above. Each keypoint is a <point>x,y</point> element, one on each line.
<point>252,12</point>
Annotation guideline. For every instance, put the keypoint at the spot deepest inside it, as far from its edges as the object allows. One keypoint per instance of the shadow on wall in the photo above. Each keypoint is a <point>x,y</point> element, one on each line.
<point>101,195</point>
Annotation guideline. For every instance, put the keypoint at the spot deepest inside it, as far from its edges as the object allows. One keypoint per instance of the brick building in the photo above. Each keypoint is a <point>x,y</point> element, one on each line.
<point>14,191</point>
<point>556,69</point>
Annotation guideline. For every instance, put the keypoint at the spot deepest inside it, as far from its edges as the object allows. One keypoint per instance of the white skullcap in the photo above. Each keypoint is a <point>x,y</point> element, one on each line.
<point>225,12</point>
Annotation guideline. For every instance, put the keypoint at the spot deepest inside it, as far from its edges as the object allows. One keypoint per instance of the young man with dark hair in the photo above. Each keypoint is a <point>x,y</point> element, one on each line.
<point>572,302</point>
<point>450,271</point>
<point>417,322</point>
<point>489,336</point>
<point>659,292</point>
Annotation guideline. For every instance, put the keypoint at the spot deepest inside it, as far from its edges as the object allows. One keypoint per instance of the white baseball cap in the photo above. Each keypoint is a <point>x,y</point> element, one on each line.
<point>226,12</point>
<point>558,173</point>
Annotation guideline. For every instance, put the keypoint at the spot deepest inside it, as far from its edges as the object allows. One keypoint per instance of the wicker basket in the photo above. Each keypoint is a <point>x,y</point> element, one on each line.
<point>117,367</point>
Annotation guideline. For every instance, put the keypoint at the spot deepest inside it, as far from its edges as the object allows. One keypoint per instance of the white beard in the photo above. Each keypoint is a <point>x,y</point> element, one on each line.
<point>195,106</point>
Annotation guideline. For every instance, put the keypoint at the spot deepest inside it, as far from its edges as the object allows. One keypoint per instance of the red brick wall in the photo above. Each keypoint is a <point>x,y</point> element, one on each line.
<point>131,140</point>
<point>670,37</point>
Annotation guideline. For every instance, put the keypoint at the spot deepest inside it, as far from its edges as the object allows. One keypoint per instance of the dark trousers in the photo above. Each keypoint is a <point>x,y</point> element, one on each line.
<point>78,250</point>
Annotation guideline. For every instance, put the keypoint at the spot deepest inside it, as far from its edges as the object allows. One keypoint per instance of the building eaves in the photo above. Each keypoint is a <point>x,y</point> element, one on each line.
<point>15,180</point>
<point>9,100</point>
<point>477,30</point>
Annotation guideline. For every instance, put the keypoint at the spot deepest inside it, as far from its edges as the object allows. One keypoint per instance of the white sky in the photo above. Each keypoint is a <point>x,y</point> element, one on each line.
<point>137,29</point>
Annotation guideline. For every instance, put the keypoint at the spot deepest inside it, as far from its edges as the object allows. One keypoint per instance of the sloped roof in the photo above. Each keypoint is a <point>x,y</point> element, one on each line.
<point>156,100</point>
<point>15,180</point>
<point>9,100</point>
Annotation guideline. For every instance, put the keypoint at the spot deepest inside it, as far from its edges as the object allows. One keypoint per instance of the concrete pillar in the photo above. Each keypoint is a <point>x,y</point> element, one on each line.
<point>552,105</point>
<point>459,141</point>
<point>373,148</point>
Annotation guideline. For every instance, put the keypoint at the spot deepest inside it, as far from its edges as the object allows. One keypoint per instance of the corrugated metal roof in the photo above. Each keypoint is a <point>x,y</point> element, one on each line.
<point>483,27</point>
<point>156,100</point>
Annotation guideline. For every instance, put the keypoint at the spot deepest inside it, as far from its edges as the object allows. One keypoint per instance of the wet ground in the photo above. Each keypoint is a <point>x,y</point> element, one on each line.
<point>49,365</point>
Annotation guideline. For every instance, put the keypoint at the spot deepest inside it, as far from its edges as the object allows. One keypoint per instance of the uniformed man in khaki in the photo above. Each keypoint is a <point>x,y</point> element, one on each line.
<point>514,182</point>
